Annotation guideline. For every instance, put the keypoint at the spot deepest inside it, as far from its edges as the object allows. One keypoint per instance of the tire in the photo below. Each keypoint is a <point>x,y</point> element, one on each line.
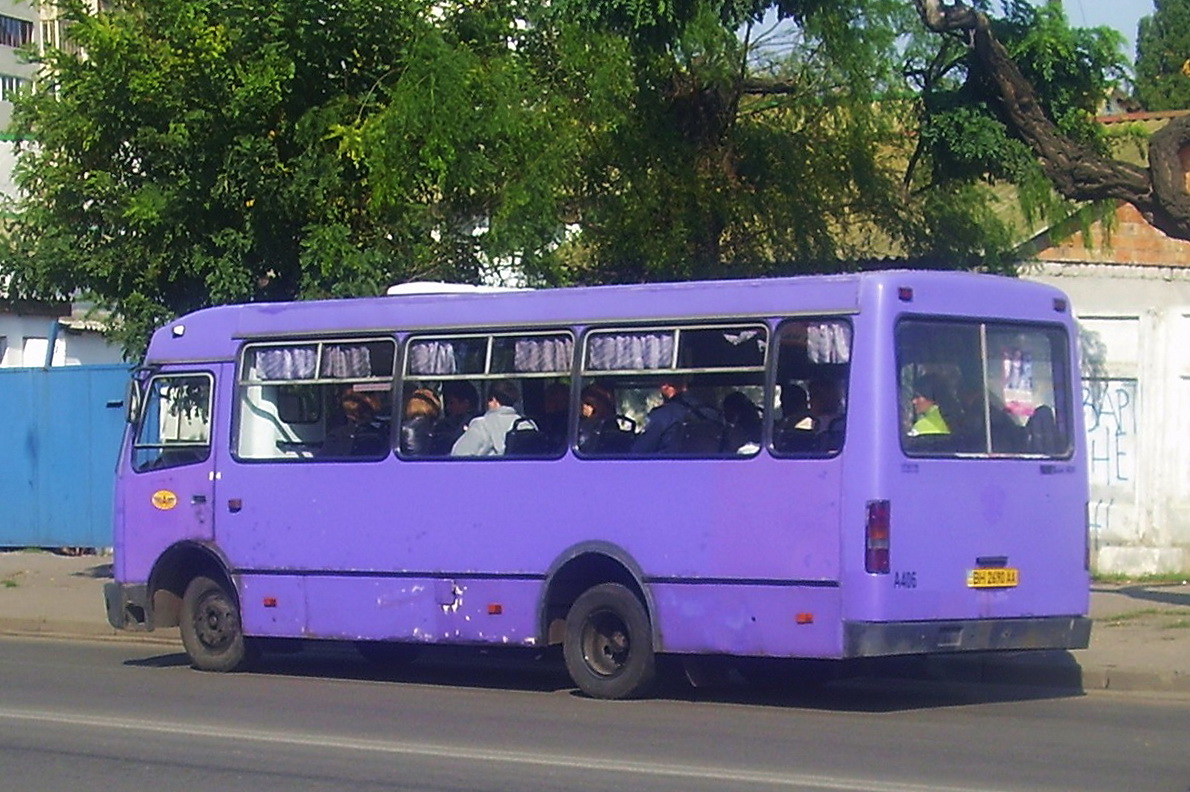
<point>389,655</point>
<point>211,628</point>
<point>608,646</point>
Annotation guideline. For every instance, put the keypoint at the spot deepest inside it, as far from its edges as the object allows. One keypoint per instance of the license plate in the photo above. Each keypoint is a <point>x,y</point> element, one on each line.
<point>993,577</point>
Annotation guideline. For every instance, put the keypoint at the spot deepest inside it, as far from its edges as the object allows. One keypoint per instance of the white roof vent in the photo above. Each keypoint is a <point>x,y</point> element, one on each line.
<point>441,287</point>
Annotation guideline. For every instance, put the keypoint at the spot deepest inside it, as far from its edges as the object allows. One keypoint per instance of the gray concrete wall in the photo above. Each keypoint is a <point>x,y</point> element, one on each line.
<point>1135,343</point>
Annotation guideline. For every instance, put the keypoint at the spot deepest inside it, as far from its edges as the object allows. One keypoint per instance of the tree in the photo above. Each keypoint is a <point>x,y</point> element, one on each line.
<point>201,153</point>
<point>753,155</point>
<point>1163,57</point>
<point>209,151</point>
<point>1077,170</point>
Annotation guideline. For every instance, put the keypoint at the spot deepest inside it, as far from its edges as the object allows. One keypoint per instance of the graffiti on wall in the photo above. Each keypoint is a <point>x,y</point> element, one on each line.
<point>1109,409</point>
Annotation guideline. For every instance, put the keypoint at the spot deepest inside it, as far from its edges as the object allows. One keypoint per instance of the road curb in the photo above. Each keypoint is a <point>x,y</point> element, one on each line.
<point>53,628</point>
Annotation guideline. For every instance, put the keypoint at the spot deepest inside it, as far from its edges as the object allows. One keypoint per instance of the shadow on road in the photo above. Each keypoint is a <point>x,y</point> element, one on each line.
<point>885,686</point>
<point>1177,595</point>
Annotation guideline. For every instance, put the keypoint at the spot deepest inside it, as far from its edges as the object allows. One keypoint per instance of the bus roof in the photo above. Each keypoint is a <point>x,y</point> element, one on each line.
<point>216,333</point>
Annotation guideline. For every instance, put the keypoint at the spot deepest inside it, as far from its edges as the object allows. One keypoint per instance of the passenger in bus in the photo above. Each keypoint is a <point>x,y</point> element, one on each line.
<point>827,413</point>
<point>598,416</point>
<point>555,415</point>
<point>422,412</point>
<point>485,435</point>
<point>795,431</point>
<point>359,435</point>
<point>927,392</point>
<point>460,403</point>
<point>681,424</point>
<point>826,403</point>
<point>742,417</point>
<point>1043,435</point>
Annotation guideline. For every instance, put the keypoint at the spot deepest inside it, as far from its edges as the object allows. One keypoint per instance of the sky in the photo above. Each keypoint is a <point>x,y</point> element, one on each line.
<point>1123,15</point>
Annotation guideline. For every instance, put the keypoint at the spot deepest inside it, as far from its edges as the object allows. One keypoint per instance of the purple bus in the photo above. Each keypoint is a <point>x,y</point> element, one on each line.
<point>823,467</point>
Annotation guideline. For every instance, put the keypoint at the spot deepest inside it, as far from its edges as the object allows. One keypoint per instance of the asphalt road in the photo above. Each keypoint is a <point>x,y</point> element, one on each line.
<point>131,716</point>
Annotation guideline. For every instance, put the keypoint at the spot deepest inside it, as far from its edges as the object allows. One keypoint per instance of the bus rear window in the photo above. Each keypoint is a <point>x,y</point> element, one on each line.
<point>983,389</point>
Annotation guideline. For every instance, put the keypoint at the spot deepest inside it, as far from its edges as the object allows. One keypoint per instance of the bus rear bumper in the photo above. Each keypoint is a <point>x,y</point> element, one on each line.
<point>882,639</point>
<point>127,605</point>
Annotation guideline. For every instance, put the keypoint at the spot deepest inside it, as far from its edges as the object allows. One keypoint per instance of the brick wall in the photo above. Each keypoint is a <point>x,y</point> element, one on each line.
<point>1131,241</point>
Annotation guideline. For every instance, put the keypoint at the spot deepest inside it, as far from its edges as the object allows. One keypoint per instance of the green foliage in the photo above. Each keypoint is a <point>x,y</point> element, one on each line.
<point>1163,57</point>
<point>191,158</point>
<point>212,151</point>
<point>963,138</point>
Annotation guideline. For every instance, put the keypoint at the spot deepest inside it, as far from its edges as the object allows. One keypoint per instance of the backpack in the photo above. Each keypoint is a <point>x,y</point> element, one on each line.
<point>701,431</point>
<point>525,439</point>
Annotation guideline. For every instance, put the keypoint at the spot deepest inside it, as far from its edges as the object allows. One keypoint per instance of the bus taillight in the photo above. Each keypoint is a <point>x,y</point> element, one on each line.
<point>876,538</point>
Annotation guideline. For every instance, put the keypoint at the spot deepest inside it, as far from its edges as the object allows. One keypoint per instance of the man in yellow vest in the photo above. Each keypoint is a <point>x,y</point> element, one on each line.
<point>926,393</point>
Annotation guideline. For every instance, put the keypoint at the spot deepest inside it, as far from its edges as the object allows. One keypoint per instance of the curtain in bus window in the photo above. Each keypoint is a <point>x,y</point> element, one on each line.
<point>284,363</point>
<point>432,357</point>
<point>543,354</point>
<point>828,343</point>
<point>630,351</point>
<point>341,361</point>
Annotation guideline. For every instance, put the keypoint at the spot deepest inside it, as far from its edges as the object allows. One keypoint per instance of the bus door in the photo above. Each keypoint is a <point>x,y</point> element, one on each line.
<point>169,491</point>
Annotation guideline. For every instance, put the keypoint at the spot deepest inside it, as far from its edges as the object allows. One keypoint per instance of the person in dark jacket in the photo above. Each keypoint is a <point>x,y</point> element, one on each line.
<point>743,424</point>
<point>361,435</point>
<point>663,426</point>
<point>460,403</point>
<point>598,416</point>
<point>422,412</point>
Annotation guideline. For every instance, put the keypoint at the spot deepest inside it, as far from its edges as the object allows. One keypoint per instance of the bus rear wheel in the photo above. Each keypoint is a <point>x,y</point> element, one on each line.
<point>211,629</point>
<point>608,646</point>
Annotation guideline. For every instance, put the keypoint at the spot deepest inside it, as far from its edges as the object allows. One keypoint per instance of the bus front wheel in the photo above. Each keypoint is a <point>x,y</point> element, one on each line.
<point>608,646</point>
<point>211,629</point>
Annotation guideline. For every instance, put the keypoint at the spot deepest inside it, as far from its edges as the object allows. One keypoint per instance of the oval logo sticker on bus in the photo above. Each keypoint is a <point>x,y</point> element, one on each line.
<point>165,500</point>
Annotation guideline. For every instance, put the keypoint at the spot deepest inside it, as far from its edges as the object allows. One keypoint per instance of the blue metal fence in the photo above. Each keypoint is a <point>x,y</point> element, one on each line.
<point>59,438</point>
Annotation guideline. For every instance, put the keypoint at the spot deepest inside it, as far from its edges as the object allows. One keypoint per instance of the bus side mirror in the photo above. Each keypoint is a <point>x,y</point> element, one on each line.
<point>133,400</point>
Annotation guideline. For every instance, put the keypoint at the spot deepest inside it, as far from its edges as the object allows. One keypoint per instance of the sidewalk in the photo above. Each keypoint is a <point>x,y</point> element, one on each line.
<point>1140,639</point>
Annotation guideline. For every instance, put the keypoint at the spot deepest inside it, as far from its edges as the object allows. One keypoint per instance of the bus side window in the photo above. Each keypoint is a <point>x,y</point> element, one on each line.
<point>674,391</point>
<point>291,399</point>
<point>461,372</point>
<point>810,402</point>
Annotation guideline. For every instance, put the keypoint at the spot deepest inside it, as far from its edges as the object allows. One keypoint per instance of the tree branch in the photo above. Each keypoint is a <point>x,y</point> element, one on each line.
<point>1077,172</point>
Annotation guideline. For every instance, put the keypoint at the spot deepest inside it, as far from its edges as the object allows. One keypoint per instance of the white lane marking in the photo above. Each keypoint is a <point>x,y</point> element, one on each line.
<point>454,752</point>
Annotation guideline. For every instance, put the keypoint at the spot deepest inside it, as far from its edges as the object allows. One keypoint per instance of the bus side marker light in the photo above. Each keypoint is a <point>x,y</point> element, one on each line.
<point>270,602</point>
<point>905,294</point>
<point>495,609</point>
<point>805,618</point>
<point>1059,305</point>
